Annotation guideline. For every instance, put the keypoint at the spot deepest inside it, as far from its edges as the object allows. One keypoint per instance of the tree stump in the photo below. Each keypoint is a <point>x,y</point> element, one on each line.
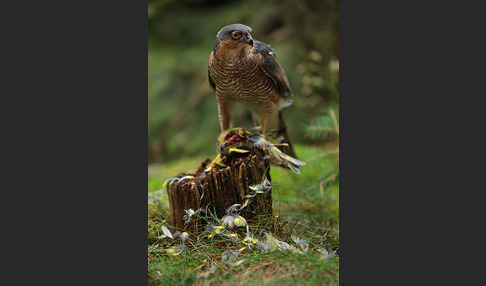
<point>219,188</point>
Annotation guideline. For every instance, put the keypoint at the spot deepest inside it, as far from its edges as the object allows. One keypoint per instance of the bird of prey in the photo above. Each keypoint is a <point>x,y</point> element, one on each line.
<point>242,69</point>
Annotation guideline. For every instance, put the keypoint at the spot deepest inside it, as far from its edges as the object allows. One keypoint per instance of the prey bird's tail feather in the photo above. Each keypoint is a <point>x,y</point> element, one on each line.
<point>282,127</point>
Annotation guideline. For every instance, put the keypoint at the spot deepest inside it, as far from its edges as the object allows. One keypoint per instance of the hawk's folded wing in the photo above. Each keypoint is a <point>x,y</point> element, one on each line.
<point>271,68</point>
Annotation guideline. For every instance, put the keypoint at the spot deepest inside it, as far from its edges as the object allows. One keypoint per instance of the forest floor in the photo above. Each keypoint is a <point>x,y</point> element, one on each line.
<point>307,206</point>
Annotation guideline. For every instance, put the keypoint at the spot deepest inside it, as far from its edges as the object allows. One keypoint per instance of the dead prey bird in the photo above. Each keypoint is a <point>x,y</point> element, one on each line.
<point>239,141</point>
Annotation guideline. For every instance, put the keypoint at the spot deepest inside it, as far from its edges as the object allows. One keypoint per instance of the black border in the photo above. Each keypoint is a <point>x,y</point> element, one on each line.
<point>76,74</point>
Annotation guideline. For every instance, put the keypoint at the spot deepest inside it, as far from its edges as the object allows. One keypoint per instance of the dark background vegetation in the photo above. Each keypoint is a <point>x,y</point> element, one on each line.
<point>182,107</point>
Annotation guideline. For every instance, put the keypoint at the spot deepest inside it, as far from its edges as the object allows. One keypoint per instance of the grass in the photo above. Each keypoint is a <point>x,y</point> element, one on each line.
<point>307,205</point>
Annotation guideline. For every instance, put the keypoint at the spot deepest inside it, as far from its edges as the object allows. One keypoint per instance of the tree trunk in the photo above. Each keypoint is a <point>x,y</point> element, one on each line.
<point>220,188</point>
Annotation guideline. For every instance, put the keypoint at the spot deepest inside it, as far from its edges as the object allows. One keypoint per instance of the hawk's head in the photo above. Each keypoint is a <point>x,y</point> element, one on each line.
<point>234,38</point>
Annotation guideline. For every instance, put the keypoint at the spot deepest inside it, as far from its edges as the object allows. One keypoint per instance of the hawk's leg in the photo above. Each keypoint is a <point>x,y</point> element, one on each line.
<point>224,114</point>
<point>270,117</point>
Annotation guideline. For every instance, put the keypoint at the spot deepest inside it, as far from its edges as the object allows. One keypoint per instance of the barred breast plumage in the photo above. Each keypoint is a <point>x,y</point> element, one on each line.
<point>241,80</point>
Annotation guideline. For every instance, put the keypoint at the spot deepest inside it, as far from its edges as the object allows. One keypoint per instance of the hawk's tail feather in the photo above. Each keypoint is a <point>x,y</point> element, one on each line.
<point>285,102</point>
<point>282,126</point>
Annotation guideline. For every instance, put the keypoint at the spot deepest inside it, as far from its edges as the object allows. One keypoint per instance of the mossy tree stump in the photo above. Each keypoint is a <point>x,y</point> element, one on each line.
<point>219,188</point>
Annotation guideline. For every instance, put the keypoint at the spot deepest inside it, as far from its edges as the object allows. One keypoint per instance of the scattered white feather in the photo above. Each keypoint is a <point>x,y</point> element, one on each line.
<point>166,232</point>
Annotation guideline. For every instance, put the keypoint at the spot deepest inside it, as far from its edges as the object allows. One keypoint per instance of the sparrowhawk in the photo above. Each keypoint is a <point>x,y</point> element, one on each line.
<point>242,69</point>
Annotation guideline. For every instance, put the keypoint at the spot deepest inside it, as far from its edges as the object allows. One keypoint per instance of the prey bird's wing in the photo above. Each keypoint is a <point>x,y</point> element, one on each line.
<point>271,68</point>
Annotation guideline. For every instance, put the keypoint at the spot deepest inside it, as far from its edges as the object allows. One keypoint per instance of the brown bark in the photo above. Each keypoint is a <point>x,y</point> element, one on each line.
<point>220,188</point>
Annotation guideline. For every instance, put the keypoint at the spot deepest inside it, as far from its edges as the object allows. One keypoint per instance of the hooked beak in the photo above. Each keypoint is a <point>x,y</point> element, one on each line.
<point>249,40</point>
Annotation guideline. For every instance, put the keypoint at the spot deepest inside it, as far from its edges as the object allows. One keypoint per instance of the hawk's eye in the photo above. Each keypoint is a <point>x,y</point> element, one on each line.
<point>236,35</point>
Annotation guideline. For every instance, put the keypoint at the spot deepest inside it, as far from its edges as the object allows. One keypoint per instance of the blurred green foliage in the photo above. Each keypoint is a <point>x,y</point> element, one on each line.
<point>182,108</point>
<point>325,126</point>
